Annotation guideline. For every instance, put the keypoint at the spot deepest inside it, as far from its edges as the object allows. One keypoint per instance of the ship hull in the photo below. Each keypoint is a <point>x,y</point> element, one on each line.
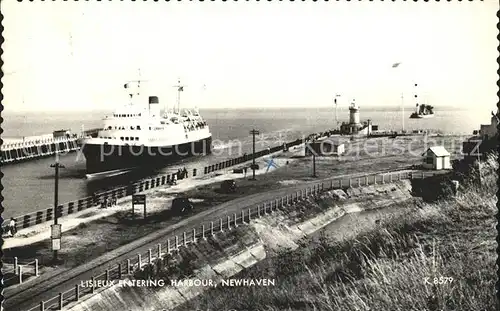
<point>106,158</point>
<point>421,116</point>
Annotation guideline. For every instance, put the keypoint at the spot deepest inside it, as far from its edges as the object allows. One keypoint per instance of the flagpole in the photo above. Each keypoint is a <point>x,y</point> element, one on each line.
<point>403,112</point>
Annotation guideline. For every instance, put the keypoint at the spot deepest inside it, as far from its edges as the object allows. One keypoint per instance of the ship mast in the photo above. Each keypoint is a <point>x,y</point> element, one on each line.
<point>180,88</point>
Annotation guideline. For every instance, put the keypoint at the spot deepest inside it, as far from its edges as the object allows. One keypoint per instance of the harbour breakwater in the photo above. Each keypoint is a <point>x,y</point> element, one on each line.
<point>45,215</point>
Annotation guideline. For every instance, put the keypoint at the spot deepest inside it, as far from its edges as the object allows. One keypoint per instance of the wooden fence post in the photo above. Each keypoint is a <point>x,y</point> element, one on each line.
<point>59,307</point>
<point>203,232</point>
<point>77,292</point>
<point>42,305</point>
<point>92,288</point>
<point>220,223</point>
<point>159,250</point>
<point>212,228</point>
<point>258,211</point>
<point>235,222</point>
<point>15,265</point>
<point>228,223</point>
<point>20,267</point>
<point>184,238</point>
<point>36,268</point>
<point>249,215</point>
<point>150,256</point>
<point>176,242</point>
<point>128,266</point>
<point>194,235</point>
<point>119,271</point>
<point>139,263</point>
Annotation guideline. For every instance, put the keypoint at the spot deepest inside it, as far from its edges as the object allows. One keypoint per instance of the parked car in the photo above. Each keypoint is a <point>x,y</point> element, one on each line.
<point>228,186</point>
<point>181,206</point>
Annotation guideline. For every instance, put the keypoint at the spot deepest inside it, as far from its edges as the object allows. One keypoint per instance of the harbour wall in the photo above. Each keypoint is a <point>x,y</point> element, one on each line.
<point>44,215</point>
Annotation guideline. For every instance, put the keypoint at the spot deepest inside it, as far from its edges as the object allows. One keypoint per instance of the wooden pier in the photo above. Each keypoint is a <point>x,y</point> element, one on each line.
<point>42,146</point>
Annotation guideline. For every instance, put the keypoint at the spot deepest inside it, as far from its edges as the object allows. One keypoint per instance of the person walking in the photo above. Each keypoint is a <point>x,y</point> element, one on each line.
<point>12,226</point>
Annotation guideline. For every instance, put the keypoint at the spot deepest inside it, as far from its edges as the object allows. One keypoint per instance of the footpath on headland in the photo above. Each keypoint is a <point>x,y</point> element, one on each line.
<point>44,287</point>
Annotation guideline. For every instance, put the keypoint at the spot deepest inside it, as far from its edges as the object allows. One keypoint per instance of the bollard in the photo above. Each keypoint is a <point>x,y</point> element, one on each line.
<point>359,182</point>
<point>249,215</point>
<point>184,238</point>
<point>60,301</point>
<point>375,179</point>
<point>366,180</point>
<point>220,224</point>
<point>20,274</point>
<point>258,211</point>
<point>194,235</point>
<point>228,224</point>
<point>36,268</point>
<point>383,179</point>
<point>265,209</point>
<point>203,232</point>
<point>159,250</point>
<point>77,292</point>
<point>139,262</point>
<point>150,256</point>
<point>287,200</point>
<point>15,265</point>
<point>306,191</point>
<point>235,223</point>
<point>390,178</point>
<point>242,216</point>
<point>128,266</point>
<point>176,242</point>
<point>212,228</point>
<point>350,183</point>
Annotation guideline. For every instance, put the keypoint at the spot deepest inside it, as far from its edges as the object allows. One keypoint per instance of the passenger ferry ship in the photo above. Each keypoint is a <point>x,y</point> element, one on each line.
<point>139,136</point>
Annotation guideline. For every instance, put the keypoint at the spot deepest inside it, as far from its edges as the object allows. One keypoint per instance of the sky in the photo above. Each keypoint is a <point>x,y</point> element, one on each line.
<point>77,55</point>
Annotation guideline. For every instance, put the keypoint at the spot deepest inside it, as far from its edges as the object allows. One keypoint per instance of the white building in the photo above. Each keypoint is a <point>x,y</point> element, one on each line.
<point>437,158</point>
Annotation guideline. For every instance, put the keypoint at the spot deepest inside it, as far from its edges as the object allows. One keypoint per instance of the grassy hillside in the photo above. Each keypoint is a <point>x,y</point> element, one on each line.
<point>438,256</point>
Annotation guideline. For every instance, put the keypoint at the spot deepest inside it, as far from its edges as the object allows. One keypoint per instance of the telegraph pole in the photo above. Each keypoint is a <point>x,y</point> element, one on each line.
<point>56,232</point>
<point>253,132</point>
<point>314,165</point>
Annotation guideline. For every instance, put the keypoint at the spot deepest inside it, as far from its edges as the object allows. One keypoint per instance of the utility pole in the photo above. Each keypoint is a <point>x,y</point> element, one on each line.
<point>56,232</point>
<point>253,132</point>
<point>314,165</point>
<point>336,119</point>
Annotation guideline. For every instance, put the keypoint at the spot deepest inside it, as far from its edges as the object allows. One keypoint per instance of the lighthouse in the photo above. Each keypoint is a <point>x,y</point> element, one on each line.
<point>354,114</point>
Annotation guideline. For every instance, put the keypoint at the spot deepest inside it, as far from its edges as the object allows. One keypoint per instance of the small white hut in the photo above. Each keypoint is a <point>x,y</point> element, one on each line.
<point>437,158</point>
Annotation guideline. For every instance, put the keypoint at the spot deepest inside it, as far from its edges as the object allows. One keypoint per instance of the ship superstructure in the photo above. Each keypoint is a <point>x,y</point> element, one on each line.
<point>140,134</point>
<point>421,111</point>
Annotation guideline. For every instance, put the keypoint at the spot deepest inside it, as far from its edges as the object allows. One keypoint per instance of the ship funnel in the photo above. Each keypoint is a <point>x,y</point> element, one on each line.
<point>154,107</point>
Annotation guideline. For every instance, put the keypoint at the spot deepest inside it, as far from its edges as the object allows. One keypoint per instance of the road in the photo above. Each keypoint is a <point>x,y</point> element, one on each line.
<point>49,285</point>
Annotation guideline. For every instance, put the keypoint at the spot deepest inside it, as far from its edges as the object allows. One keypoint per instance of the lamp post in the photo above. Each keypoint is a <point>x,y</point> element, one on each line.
<point>253,132</point>
<point>55,227</point>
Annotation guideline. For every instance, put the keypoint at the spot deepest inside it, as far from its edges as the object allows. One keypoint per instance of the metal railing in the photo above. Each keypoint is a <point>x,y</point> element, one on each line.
<point>19,272</point>
<point>126,268</point>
